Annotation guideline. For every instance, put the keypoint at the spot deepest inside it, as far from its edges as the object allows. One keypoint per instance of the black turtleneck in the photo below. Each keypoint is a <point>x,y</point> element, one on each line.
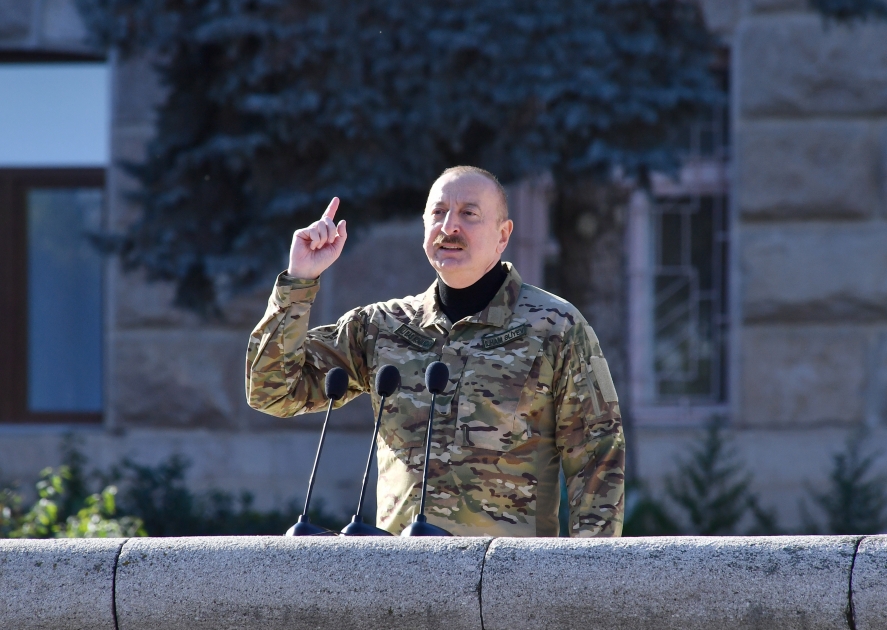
<point>459,303</point>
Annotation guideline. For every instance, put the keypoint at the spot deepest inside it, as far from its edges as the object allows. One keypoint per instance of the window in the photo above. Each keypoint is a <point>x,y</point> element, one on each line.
<point>679,286</point>
<point>689,299</point>
<point>54,120</point>
<point>51,278</point>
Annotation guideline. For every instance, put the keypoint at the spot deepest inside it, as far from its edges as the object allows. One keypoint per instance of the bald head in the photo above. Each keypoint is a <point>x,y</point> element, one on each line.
<point>455,171</point>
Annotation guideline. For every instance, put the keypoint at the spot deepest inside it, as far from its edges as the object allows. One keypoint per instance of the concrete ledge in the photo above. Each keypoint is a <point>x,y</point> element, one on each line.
<point>55,584</point>
<point>270,583</point>
<point>662,583</point>
<point>870,584</point>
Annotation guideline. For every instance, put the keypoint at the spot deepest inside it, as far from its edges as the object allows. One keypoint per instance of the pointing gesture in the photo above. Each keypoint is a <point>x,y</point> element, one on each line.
<point>317,246</point>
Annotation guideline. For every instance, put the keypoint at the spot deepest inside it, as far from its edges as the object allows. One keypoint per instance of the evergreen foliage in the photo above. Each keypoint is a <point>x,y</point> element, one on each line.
<point>645,514</point>
<point>850,10</point>
<point>712,489</point>
<point>274,106</point>
<point>853,500</point>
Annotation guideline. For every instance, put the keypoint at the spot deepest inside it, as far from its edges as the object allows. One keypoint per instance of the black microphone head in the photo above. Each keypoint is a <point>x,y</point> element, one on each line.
<point>436,376</point>
<point>336,383</point>
<point>387,380</point>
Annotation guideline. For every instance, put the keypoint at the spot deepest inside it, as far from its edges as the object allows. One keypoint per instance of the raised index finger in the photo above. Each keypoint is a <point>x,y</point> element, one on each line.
<point>330,211</point>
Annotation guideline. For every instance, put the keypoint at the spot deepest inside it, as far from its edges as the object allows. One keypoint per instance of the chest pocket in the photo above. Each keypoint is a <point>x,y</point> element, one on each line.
<point>405,417</point>
<point>496,385</point>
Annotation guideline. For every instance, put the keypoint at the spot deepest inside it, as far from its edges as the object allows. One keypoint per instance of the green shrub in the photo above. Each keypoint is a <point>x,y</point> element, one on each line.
<point>56,514</point>
<point>160,497</point>
<point>151,500</point>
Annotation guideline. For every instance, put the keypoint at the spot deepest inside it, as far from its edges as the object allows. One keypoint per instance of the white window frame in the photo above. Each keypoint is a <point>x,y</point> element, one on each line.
<point>698,177</point>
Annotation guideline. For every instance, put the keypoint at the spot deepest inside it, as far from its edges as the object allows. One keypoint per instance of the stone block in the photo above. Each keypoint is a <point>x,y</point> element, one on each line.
<point>62,25</point>
<point>869,595</point>
<point>179,378</point>
<point>797,65</point>
<point>809,169</point>
<point>817,272</point>
<point>772,6</point>
<point>275,583</point>
<point>136,92</point>
<point>721,16</point>
<point>803,375</point>
<point>139,303</point>
<point>790,583</point>
<point>128,146</point>
<point>52,584</point>
<point>15,19</point>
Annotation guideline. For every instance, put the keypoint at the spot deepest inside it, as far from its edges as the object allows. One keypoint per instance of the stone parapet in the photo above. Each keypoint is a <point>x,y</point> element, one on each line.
<point>53,584</point>
<point>680,583</point>
<point>685,583</point>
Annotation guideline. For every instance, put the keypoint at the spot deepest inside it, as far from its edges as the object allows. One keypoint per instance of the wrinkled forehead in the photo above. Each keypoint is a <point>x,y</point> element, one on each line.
<point>463,189</point>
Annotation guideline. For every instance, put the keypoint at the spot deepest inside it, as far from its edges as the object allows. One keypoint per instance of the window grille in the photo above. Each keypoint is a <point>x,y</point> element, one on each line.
<point>690,315</point>
<point>690,271</point>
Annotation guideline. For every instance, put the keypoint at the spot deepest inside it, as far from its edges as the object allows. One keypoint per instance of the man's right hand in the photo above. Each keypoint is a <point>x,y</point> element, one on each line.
<point>317,246</point>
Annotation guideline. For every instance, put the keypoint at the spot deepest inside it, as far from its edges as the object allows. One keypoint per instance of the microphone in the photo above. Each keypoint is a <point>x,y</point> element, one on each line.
<point>436,377</point>
<point>335,386</point>
<point>387,382</point>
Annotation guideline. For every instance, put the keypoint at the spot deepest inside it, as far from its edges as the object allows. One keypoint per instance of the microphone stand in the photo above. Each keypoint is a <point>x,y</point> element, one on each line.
<point>420,525</point>
<point>357,527</point>
<point>304,527</point>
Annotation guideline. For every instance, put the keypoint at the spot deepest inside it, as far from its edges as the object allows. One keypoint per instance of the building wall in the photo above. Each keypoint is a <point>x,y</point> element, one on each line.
<point>808,114</point>
<point>809,347</point>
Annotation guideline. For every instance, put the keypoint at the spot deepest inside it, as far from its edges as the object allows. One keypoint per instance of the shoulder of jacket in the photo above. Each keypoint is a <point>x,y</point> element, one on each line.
<point>545,310</point>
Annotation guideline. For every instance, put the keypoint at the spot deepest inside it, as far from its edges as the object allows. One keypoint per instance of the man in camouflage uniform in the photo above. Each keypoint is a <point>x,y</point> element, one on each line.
<point>529,388</point>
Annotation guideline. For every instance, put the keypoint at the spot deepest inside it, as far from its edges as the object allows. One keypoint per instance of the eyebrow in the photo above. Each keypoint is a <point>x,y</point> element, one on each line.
<point>472,204</point>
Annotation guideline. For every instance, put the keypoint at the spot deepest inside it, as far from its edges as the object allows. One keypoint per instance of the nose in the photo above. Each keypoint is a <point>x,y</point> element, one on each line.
<point>451,223</point>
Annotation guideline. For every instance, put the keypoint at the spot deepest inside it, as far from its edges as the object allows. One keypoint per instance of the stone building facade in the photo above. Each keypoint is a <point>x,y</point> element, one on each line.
<point>803,282</point>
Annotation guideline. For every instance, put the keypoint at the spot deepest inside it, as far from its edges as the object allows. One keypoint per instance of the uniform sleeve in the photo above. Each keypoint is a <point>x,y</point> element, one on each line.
<point>286,363</point>
<point>589,436</point>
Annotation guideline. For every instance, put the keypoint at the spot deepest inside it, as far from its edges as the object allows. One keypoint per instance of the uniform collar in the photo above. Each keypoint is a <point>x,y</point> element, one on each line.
<point>497,312</point>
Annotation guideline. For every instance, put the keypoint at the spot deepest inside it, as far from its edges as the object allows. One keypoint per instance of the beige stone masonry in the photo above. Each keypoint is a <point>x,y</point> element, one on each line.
<point>797,65</point>
<point>815,272</point>
<point>804,375</point>
<point>808,169</point>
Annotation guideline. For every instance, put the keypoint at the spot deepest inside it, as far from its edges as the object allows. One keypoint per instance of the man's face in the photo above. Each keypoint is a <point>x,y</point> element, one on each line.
<point>464,236</point>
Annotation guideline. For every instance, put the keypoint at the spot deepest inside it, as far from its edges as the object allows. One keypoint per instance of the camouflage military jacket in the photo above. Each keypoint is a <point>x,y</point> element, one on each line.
<point>529,389</point>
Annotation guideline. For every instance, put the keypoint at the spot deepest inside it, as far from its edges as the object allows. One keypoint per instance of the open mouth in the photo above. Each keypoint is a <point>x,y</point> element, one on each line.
<point>451,248</point>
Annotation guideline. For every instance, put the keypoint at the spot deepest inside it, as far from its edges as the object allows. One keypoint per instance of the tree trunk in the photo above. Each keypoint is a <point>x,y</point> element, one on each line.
<point>589,221</point>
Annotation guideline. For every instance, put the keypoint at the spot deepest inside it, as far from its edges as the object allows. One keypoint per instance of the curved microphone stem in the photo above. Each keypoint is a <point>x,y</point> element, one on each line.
<point>317,458</point>
<point>427,455</point>
<point>366,474</point>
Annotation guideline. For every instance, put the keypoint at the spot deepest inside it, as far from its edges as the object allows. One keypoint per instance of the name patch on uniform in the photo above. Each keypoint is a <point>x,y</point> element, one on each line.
<point>420,341</point>
<point>500,339</point>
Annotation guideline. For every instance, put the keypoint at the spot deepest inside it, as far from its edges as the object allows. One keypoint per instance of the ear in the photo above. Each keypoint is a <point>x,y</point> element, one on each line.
<point>505,229</point>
